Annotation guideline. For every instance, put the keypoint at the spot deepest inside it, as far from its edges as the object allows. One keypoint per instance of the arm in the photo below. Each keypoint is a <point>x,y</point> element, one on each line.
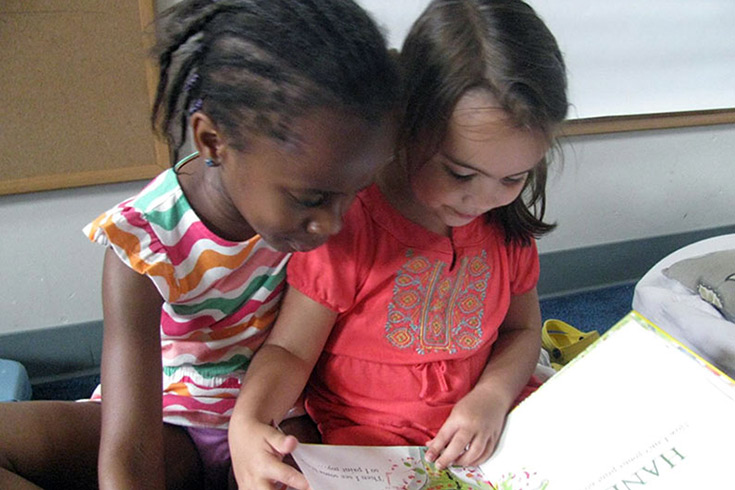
<point>477,419</point>
<point>274,380</point>
<point>131,445</point>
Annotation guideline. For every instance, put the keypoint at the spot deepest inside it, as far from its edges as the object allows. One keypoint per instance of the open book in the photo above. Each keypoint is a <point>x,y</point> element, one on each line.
<point>635,411</point>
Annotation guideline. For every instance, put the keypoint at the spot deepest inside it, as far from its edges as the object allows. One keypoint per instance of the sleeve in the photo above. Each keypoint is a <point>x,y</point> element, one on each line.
<point>524,267</point>
<point>332,274</point>
<point>133,239</point>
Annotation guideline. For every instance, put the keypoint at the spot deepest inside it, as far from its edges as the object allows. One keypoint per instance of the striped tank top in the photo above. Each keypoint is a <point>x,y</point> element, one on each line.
<point>220,297</point>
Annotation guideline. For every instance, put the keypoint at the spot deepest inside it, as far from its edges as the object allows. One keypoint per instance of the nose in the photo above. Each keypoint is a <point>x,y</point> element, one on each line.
<point>326,221</point>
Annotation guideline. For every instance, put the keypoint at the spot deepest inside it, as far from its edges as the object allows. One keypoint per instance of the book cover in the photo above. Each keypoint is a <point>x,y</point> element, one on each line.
<point>636,410</point>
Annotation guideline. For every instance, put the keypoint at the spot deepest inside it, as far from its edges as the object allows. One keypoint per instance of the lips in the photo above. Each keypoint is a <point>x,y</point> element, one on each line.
<point>465,216</point>
<point>299,246</point>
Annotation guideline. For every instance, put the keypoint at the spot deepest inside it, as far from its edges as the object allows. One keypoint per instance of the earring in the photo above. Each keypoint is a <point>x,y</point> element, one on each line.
<point>209,162</point>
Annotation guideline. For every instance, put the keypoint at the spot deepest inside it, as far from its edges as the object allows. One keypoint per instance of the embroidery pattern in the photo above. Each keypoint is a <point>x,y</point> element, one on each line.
<point>434,309</point>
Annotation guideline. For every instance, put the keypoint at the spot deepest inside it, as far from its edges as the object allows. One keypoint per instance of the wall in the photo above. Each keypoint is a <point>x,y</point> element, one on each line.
<point>628,186</point>
<point>627,56</point>
<point>613,188</point>
<point>50,274</point>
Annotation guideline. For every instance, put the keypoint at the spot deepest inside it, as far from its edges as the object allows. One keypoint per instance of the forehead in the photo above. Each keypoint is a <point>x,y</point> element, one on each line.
<point>478,114</point>
<point>331,150</point>
<point>480,131</point>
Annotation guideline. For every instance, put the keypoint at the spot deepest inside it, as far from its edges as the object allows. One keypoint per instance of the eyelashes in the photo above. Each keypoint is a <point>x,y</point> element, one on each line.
<point>310,201</point>
<point>508,181</point>
<point>459,177</point>
<point>511,181</point>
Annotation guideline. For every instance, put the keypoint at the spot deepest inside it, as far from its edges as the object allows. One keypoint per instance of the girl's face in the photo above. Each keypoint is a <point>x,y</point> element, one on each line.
<point>482,164</point>
<point>294,194</point>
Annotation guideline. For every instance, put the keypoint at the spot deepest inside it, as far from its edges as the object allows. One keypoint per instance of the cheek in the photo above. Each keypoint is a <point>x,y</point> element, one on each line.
<point>267,212</point>
<point>431,187</point>
<point>515,191</point>
<point>278,216</point>
<point>503,196</point>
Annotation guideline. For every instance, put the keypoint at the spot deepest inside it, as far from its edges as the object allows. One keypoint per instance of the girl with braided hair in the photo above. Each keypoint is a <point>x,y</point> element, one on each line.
<point>289,105</point>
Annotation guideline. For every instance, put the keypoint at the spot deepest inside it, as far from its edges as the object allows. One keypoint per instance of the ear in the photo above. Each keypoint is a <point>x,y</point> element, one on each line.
<point>208,138</point>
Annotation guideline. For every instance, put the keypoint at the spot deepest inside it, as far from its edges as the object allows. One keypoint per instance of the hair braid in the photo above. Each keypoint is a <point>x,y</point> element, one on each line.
<point>166,103</point>
<point>261,63</point>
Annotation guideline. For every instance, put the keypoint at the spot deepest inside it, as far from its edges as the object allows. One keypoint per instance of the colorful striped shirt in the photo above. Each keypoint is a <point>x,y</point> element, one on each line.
<point>220,297</point>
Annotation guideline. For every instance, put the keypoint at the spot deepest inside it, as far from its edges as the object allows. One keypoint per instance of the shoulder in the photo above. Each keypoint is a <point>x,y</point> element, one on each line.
<point>358,226</point>
<point>341,261</point>
<point>142,228</point>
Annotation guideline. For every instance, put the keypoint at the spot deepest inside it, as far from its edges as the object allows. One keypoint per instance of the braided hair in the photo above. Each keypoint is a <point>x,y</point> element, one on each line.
<point>255,65</point>
<point>501,46</point>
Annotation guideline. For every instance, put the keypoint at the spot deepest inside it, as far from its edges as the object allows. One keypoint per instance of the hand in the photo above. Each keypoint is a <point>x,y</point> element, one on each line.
<point>257,457</point>
<point>469,435</point>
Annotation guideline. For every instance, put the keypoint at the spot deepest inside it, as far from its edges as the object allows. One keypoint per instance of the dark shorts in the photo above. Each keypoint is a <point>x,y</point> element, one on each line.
<point>214,451</point>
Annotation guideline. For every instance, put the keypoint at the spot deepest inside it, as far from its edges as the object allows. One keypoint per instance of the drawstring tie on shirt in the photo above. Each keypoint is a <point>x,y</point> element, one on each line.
<point>432,371</point>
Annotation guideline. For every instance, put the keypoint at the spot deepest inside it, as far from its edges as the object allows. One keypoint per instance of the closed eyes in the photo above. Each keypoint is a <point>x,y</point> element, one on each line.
<point>458,176</point>
<point>466,177</point>
<point>311,201</point>
<point>514,180</point>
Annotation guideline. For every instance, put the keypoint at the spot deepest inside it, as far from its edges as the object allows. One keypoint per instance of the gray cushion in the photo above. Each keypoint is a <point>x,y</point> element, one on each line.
<point>712,276</point>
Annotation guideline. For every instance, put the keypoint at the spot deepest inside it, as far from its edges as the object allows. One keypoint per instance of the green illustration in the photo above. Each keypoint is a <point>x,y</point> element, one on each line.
<point>523,480</point>
<point>415,473</point>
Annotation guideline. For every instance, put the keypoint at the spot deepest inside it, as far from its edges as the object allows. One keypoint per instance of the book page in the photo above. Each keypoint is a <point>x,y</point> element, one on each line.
<point>636,410</point>
<point>380,468</point>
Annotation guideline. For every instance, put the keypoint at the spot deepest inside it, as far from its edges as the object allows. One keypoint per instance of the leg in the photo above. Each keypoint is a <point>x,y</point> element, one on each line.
<point>49,444</point>
<point>54,444</point>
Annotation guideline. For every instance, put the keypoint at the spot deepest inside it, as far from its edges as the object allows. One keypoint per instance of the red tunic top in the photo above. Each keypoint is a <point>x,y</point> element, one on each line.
<point>417,317</point>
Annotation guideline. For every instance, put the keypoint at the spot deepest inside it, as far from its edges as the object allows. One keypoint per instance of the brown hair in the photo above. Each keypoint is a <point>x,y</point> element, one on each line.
<point>501,46</point>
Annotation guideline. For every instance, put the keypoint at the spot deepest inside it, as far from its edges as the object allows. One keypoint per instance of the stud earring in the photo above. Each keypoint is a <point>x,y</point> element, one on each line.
<point>209,162</point>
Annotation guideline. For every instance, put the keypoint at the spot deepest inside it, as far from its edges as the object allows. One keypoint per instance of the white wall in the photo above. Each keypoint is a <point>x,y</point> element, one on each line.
<point>626,186</point>
<point>625,56</point>
<point>613,188</point>
<point>50,273</point>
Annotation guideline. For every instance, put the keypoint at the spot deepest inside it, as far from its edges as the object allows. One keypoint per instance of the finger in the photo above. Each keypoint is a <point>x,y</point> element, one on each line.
<point>488,448</point>
<point>279,475</point>
<point>284,473</point>
<point>284,444</point>
<point>437,445</point>
<point>292,478</point>
<point>471,454</point>
<point>453,451</point>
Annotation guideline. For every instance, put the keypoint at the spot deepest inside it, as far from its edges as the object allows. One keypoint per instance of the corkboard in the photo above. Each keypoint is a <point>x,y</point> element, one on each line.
<point>76,87</point>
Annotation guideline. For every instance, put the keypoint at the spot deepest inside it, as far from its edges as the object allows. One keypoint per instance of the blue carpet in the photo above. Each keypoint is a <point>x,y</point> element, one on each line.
<point>593,310</point>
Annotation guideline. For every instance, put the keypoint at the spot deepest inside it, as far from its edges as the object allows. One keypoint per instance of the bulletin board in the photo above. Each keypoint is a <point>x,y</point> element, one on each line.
<point>76,87</point>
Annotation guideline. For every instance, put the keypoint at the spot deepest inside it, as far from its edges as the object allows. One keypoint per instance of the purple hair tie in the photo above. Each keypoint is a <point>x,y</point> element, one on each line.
<point>195,106</point>
<point>191,82</point>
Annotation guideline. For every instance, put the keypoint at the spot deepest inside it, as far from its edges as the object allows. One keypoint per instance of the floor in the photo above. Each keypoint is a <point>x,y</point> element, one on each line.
<point>591,310</point>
